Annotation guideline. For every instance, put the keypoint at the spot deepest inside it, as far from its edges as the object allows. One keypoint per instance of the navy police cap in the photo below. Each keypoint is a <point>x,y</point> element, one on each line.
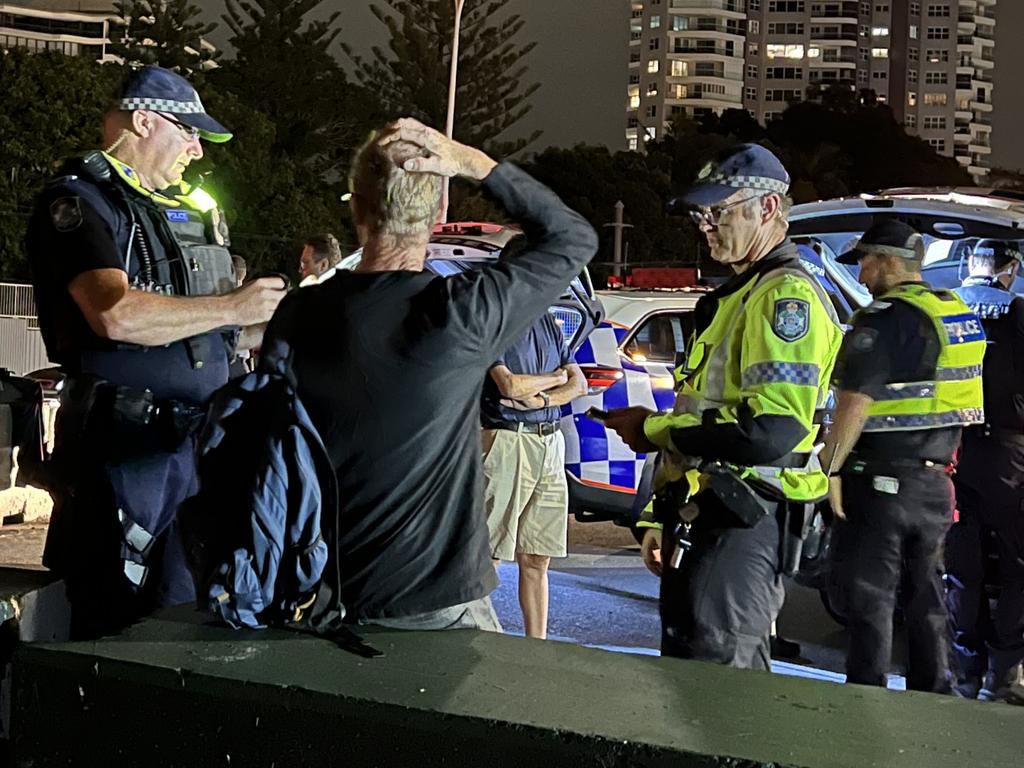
<point>160,90</point>
<point>1000,251</point>
<point>887,237</point>
<point>749,166</point>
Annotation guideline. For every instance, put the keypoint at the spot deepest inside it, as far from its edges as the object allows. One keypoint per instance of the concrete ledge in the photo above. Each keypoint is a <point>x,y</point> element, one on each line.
<point>178,693</point>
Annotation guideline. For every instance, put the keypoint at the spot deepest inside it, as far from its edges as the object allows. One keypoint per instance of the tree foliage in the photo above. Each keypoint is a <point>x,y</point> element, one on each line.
<point>845,145</point>
<point>283,67</point>
<point>168,33</point>
<point>411,75</point>
<point>53,106</point>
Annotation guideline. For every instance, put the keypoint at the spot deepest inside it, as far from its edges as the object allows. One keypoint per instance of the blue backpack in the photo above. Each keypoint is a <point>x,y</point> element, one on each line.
<point>261,532</point>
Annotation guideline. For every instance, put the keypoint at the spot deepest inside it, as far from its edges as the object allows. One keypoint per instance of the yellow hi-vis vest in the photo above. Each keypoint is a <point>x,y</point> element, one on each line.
<point>954,396</point>
<point>770,347</point>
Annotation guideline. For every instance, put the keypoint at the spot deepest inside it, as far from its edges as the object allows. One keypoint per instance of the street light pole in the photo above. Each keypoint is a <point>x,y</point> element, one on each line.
<point>449,126</point>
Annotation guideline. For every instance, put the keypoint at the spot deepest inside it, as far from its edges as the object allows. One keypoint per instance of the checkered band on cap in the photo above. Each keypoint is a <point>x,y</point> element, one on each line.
<point>194,107</point>
<point>748,182</point>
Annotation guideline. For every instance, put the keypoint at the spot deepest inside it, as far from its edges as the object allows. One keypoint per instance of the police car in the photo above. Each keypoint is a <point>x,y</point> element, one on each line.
<point>463,246</point>
<point>628,359</point>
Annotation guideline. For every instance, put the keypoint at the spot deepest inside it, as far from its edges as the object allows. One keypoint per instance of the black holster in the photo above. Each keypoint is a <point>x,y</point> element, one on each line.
<point>119,423</point>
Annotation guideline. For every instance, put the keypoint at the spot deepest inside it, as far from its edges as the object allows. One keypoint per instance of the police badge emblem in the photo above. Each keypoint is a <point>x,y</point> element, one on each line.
<point>66,213</point>
<point>792,319</point>
<point>705,171</point>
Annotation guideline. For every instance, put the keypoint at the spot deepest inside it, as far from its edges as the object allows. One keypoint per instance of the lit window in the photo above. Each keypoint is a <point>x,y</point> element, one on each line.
<point>913,32</point>
<point>780,51</point>
<point>679,69</point>
<point>655,22</point>
<point>652,66</point>
<point>936,99</point>
<point>880,53</point>
<point>912,98</point>
<point>813,53</point>
<point>652,89</point>
<point>879,31</point>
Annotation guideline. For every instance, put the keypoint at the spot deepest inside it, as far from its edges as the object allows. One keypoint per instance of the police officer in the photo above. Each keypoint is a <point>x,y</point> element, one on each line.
<point>909,378</point>
<point>738,463</point>
<point>990,491</point>
<point>137,302</point>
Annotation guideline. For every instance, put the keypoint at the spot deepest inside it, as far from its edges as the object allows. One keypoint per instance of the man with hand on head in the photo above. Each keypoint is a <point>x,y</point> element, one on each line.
<point>396,395</point>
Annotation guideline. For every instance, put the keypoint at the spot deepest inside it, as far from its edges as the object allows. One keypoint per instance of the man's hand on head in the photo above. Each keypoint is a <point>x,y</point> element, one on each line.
<point>438,154</point>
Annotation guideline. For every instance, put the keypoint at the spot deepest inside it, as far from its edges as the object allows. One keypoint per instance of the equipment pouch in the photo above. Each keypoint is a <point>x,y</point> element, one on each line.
<point>736,494</point>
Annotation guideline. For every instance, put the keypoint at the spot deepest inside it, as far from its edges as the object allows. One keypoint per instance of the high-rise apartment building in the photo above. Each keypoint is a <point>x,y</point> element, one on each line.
<point>73,27</point>
<point>79,28</point>
<point>931,61</point>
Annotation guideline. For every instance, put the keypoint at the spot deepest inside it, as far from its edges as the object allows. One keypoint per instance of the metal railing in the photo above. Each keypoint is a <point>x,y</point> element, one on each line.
<point>17,300</point>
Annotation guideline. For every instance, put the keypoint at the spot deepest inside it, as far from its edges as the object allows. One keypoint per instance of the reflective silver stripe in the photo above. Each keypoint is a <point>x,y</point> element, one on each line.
<point>902,391</point>
<point>137,537</point>
<point>781,373</point>
<point>135,573</point>
<point>891,423</point>
<point>924,388</point>
<point>961,373</point>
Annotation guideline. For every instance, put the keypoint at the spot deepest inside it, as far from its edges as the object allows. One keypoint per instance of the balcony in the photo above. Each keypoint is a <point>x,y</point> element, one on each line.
<point>737,7</point>
<point>714,50</point>
<point>980,106</point>
<point>834,18</point>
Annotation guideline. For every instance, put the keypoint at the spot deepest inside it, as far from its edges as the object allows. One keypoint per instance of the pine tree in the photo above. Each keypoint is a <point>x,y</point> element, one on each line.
<point>411,76</point>
<point>164,32</point>
<point>283,67</point>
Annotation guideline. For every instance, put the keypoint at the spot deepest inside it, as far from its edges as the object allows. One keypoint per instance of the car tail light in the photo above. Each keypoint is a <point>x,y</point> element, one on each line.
<point>600,377</point>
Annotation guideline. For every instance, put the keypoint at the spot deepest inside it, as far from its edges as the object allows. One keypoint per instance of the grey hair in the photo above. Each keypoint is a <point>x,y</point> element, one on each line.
<point>392,201</point>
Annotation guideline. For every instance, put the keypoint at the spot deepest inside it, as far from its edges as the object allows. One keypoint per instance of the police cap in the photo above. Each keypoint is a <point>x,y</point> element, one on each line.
<point>1000,251</point>
<point>161,90</point>
<point>888,237</point>
<point>749,166</point>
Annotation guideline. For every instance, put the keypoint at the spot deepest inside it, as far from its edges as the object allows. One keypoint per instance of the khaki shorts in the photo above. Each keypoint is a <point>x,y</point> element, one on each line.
<point>526,497</point>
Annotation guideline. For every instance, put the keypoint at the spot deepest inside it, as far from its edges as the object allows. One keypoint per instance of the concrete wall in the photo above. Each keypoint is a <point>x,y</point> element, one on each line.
<point>177,693</point>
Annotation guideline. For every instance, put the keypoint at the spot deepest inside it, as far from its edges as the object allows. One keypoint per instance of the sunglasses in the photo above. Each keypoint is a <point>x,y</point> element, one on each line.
<point>711,216</point>
<point>191,133</point>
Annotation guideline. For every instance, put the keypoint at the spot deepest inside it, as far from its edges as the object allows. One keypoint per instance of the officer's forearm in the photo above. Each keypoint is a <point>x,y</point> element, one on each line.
<point>152,319</point>
<point>750,441</point>
<point>850,416</point>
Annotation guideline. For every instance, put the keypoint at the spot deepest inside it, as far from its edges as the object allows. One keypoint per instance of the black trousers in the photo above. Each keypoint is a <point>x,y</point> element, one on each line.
<point>889,542</point>
<point>986,549</point>
<point>85,541</point>
<point>720,603</point>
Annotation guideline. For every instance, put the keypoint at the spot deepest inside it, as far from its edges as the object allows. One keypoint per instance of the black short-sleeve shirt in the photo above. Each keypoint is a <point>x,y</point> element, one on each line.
<point>541,349</point>
<point>893,342</point>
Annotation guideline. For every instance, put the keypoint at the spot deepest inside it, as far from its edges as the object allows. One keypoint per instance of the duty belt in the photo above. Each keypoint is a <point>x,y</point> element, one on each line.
<point>544,428</point>
<point>868,466</point>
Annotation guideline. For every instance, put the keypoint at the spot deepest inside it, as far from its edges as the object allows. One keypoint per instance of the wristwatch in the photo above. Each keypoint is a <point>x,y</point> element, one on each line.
<point>546,398</point>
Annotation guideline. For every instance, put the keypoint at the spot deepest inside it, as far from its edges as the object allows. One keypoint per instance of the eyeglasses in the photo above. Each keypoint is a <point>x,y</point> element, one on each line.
<point>711,216</point>
<point>191,133</point>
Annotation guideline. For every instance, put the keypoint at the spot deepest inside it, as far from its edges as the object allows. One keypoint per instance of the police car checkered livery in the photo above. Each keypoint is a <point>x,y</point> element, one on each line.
<point>628,360</point>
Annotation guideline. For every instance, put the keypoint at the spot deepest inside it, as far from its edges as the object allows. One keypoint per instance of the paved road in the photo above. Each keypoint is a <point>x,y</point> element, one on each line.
<point>602,595</point>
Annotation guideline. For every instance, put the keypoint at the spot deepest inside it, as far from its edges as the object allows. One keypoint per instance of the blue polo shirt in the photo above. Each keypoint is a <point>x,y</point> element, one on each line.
<point>541,349</point>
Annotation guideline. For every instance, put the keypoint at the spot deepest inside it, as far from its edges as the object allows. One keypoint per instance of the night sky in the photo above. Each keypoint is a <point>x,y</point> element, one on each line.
<point>580,62</point>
